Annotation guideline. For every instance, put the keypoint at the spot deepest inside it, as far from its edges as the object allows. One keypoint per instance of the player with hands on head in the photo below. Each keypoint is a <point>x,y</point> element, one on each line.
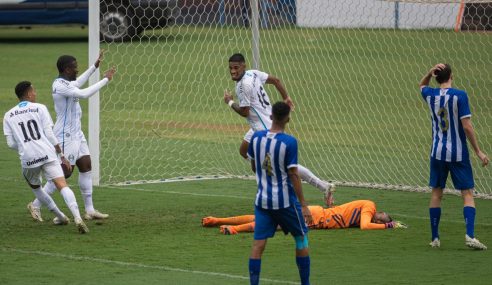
<point>66,95</point>
<point>451,127</point>
<point>280,199</point>
<point>28,129</point>
<point>254,105</point>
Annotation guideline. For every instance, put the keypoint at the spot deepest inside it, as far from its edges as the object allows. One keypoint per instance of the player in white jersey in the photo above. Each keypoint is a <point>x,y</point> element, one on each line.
<point>28,129</point>
<point>66,95</point>
<point>255,106</point>
<point>451,127</point>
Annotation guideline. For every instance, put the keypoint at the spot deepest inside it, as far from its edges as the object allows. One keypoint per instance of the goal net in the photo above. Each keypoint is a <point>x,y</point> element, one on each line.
<point>352,68</point>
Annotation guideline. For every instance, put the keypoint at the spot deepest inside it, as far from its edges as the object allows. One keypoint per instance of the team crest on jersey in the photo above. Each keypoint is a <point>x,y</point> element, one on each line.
<point>71,157</point>
<point>76,99</point>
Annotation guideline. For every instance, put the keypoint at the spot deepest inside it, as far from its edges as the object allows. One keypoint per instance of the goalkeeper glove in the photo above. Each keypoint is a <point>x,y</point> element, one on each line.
<point>396,225</point>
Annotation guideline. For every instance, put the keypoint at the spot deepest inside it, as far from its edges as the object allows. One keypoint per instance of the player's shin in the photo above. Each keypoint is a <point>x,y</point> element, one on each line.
<point>47,201</point>
<point>69,198</point>
<point>85,184</point>
<point>49,188</point>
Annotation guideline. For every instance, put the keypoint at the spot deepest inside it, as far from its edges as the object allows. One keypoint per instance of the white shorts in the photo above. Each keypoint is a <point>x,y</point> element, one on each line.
<point>73,150</point>
<point>249,135</point>
<point>51,170</point>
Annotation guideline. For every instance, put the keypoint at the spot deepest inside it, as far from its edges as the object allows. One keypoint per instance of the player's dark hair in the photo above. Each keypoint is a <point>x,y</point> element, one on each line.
<point>280,111</point>
<point>444,74</point>
<point>22,88</point>
<point>64,61</point>
<point>237,57</point>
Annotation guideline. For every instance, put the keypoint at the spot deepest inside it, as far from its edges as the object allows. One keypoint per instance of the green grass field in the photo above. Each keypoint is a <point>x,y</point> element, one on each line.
<point>154,235</point>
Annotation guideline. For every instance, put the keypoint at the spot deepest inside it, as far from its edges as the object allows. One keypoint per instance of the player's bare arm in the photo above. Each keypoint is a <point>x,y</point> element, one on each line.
<point>426,79</point>
<point>109,73</point>
<point>99,58</point>
<point>242,111</point>
<point>281,89</point>
<point>470,134</point>
<point>296,182</point>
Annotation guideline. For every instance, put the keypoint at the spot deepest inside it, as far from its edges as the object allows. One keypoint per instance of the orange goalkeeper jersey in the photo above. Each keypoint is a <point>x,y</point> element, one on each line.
<point>354,214</point>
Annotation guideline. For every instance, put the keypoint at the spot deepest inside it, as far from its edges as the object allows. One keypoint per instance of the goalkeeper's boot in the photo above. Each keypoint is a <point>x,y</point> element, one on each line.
<point>96,215</point>
<point>61,221</point>
<point>35,212</point>
<point>228,230</point>
<point>81,226</point>
<point>209,221</point>
<point>474,243</point>
<point>435,243</point>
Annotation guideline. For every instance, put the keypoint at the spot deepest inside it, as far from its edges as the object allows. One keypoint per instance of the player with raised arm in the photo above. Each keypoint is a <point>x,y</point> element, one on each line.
<point>279,200</point>
<point>66,95</point>
<point>28,129</point>
<point>356,214</point>
<point>451,126</point>
<point>254,105</point>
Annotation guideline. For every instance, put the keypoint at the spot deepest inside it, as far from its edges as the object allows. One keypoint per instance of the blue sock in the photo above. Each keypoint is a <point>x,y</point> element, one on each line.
<point>469,214</point>
<point>254,271</point>
<point>435,216</point>
<point>304,265</point>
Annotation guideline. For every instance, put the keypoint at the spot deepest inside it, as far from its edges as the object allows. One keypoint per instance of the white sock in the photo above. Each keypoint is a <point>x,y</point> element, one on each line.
<point>310,178</point>
<point>49,188</point>
<point>85,184</point>
<point>47,201</point>
<point>69,198</point>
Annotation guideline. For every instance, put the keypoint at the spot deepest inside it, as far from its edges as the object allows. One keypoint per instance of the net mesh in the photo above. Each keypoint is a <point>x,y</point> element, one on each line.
<point>352,68</point>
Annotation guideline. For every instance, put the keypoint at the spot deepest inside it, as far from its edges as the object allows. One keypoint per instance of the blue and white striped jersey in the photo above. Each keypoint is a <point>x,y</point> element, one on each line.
<point>447,108</point>
<point>273,155</point>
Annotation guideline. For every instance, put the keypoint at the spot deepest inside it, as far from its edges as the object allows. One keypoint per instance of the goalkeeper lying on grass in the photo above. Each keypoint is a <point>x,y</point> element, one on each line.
<point>359,213</point>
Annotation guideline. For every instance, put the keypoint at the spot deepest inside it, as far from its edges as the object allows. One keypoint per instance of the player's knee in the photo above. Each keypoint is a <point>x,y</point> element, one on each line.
<point>301,242</point>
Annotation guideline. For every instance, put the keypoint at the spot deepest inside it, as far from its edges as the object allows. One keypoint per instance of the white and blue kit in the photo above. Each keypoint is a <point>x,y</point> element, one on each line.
<point>68,130</point>
<point>250,92</point>
<point>276,203</point>
<point>449,152</point>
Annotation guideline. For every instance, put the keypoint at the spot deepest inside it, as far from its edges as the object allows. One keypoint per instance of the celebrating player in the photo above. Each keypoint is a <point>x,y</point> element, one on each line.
<point>451,126</point>
<point>66,95</point>
<point>28,129</point>
<point>280,200</point>
<point>359,213</point>
<point>254,105</point>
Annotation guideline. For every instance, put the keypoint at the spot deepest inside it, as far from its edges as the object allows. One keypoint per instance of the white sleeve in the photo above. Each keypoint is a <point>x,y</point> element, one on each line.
<point>11,142</point>
<point>82,79</point>
<point>47,123</point>
<point>262,76</point>
<point>74,91</point>
<point>48,131</point>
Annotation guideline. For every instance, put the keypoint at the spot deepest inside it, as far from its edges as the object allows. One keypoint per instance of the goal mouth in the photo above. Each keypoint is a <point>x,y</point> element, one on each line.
<point>352,69</point>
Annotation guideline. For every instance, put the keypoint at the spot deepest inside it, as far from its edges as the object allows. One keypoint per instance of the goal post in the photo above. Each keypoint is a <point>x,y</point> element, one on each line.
<point>352,68</point>
<point>94,108</point>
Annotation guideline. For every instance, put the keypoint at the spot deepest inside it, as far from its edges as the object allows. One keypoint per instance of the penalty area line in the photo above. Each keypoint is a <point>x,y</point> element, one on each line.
<point>137,265</point>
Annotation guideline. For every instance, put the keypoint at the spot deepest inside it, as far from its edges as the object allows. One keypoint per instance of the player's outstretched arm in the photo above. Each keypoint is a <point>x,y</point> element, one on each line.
<point>82,79</point>
<point>281,89</point>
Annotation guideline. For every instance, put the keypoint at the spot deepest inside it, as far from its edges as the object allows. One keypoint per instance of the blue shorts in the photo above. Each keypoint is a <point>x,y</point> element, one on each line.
<point>289,219</point>
<point>461,174</point>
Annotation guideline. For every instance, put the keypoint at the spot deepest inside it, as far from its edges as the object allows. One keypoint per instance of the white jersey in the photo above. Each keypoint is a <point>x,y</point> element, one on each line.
<point>66,95</point>
<point>250,92</point>
<point>26,123</point>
